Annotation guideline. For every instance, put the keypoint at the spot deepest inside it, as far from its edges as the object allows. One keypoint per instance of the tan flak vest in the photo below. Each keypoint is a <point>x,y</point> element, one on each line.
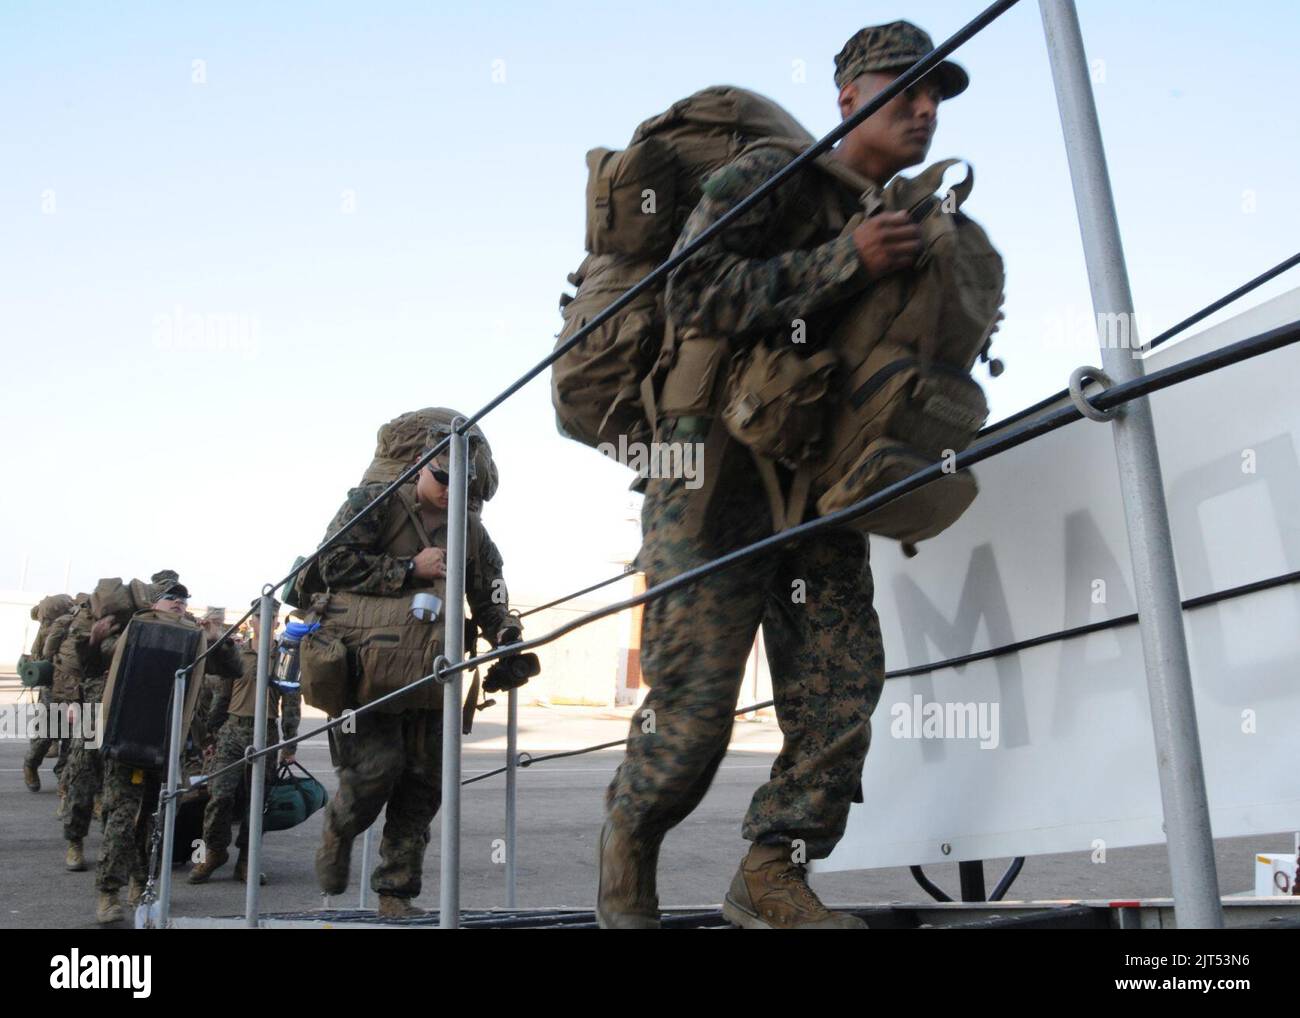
<point>390,647</point>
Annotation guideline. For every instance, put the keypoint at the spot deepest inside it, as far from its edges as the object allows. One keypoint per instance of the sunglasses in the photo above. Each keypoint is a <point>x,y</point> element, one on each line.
<point>174,597</point>
<point>441,476</point>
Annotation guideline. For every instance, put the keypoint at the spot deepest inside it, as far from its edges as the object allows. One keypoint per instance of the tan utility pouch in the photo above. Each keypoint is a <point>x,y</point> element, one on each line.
<point>773,401</point>
<point>596,387</point>
<point>630,198</point>
<point>920,514</point>
<point>323,671</point>
<point>390,648</point>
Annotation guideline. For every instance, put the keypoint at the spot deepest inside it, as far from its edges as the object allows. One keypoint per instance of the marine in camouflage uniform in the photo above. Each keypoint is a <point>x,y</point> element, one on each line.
<point>395,759</point>
<point>45,614</point>
<point>290,708</point>
<point>130,793</point>
<point>813,597</point>
<point>85,770</point>
<point>233,715</point>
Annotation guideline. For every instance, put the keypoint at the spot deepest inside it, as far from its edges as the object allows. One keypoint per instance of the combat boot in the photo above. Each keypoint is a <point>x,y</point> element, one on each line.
<point>333,859</point>
<point>213,860</point>
<point>769,892</point>
<point>75,860</point>
<point>110,909</point>
<point>241,871</point>
<point>393,907</point>
<point>625,895</point>
<point>31,778</point>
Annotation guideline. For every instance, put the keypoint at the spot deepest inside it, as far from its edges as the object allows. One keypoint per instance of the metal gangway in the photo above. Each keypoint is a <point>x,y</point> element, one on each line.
<point>1121,403</point>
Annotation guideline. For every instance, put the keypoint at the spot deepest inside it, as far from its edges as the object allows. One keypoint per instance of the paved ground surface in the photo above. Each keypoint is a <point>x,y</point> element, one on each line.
<point>560,806</point>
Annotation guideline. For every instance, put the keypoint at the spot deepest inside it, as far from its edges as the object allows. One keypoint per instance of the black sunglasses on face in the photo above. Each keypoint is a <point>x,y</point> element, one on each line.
<point>440,476</point>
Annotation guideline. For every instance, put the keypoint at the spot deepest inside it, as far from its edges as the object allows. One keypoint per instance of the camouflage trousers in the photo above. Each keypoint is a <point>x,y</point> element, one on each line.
<point>393,760</point>
<point>40,747</point>
<point>130,798</point>
<point>228,794</point>
<point>813,600</point>
<point>290,709</point>
<point>83,777</point>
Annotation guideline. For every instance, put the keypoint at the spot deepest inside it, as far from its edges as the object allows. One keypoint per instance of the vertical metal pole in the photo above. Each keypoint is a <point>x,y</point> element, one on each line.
<point>1169,682</point>
<point>367,864</point>
<point>169,813</point>
<point>971,877</point>
<point>512,773</point>
<point>454,641</point>
<point>257,787</point>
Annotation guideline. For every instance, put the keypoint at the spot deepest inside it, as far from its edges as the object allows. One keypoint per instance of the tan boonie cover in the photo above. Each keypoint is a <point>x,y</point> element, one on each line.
<point>638,200</point>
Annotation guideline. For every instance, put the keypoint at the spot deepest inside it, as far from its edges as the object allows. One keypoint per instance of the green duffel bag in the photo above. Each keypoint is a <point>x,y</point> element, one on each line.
<point>291,799</point>
<point>35,674</point>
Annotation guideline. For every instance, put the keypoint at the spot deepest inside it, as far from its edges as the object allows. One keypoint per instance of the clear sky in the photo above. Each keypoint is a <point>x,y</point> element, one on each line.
<point>385,198</point>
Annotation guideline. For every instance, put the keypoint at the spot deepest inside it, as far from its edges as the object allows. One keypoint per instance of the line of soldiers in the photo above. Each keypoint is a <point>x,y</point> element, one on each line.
<point>749,282</point>
<point>80,648</point>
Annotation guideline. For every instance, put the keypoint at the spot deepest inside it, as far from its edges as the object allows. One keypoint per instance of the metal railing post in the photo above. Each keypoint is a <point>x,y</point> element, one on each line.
<point>512,773</point>
<point>1169,682</point>
<point>257,786</point>
<point>169,813</point>
<point>367,864</point>
<point>454,641</point>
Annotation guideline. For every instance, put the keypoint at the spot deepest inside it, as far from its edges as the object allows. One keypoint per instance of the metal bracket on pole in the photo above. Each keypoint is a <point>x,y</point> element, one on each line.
<point>169,813</point>
<point>257,786</point>
<point>454,641</point>
<point>1164,646</point>
<point>1080,377</point>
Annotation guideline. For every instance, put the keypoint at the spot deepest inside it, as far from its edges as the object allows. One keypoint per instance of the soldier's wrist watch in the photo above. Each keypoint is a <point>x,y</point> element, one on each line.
<point>410,569</point>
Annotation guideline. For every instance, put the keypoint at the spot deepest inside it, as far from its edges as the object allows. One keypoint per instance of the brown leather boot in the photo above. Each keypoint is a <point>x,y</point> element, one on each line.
<point>31,778</point>
<point>769,892</point>
<point>393,907</point>
<point>75,860</point>
<point>110,909</point>
<point>213,860</point>
<point>626,898</point>
<point>333,860</point>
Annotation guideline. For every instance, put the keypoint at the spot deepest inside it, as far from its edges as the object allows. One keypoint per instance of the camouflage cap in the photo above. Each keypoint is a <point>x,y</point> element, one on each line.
<point>895,47</point>
<point>164,575</point>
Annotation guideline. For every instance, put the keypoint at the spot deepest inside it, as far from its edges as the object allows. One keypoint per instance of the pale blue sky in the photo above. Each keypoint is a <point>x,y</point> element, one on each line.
<point>130,191</point>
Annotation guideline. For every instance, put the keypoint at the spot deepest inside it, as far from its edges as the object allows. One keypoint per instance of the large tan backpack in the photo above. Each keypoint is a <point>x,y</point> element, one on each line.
<point>894,383</point>
<point>401,440</point>
<point>638,200</point>
<point>397,445</point>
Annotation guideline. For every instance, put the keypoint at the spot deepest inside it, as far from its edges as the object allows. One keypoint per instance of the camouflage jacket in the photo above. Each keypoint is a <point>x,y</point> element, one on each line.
<point>750,280</point>
<point>360,562</point>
